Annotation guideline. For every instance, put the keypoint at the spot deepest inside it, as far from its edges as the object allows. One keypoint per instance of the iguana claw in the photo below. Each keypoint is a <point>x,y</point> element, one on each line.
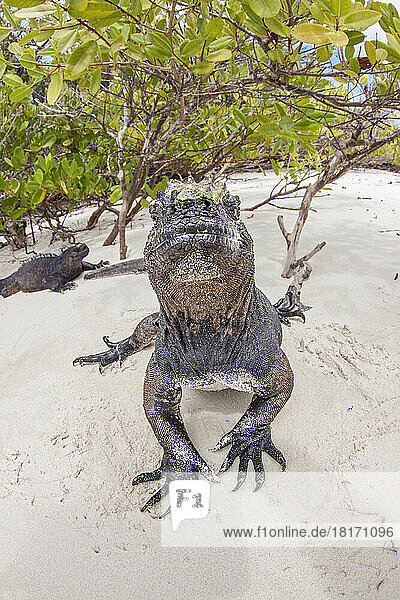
<point>290,306</point>
<point>192,470</point>
<point>247,449</point>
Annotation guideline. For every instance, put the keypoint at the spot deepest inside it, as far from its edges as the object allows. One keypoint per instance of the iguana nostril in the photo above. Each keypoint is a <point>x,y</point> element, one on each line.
<point>191,229</point>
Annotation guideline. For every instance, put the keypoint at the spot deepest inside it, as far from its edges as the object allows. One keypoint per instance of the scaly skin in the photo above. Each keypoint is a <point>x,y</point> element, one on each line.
<point>49,271</point>
<point>214,326</point>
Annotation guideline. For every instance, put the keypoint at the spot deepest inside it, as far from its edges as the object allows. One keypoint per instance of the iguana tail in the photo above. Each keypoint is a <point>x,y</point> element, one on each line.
<point>8,286</point>
<point>135,265</point>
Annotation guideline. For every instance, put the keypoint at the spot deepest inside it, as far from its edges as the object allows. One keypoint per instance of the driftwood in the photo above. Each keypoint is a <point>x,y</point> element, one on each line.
<point>342,161</point>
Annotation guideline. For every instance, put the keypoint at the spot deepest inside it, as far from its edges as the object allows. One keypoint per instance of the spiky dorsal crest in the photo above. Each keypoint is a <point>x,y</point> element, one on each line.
<point>41,255</point>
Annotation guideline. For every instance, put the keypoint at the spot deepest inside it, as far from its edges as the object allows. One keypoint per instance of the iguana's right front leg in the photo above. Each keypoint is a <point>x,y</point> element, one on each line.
<point>143,335</point>
<point>180,460</point>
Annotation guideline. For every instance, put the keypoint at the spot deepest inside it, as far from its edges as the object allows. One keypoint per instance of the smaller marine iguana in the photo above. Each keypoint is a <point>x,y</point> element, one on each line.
<point>54,272</point>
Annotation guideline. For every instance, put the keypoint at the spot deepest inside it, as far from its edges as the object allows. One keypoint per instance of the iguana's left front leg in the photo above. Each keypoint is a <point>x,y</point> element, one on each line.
<point>144,334</point>
<point>180,460</point>
<point>87,266</point>
<point>251,436</point>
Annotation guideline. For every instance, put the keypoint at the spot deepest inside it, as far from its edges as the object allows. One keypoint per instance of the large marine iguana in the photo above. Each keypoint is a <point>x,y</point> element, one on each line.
<point>49,271</point>
<point>214,326</point>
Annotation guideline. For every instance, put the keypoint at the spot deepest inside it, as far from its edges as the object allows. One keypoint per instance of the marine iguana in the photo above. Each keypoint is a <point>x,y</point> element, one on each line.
<point>214,326</point>
<point>49,271</point>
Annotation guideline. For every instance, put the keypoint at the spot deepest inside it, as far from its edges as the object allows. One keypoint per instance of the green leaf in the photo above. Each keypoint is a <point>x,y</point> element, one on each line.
<point>317,13</point>
<point>355,37</point>
<point>341,7</point>
<point>371,51</point>
<point>80,59</point>
<point>37,34</point>
<point>192,48</point>
<point>64,188</point>
<point>213,28</point>
<point>38,176</point>
<point>279,109</point>
<point>274,166</point>
<point>239,116</point>
<point>38,196</point>
<point>37,11</point>
<point>393,44</point>
<point>55,87</point>
<point>28,61</point>
<point>354,65</point>
<point>256,27</point>
<point>99,14</point>
<point>276,26</point>
<point>135,51</point>
<point>95,81</point>
<point>381,88</point>
<point>161,40</point>
<point>222,42</point>
<point>50,141</point>
<point>78,5</point>
<point>4,33</point>
<point>12,80</point>
<point>338,38</point>
<point>157,52</point>
<point>286,123</point>
<point>361,19</point>
<point>139,38</point>
<point>23,3</point>
<point>15,49</point>
<point>66,41</point>
<point>115,195</point>
<point>381,54</point>
<point>311,33</point>
<point>265,8</point>
<point>135,7</point>
<point>219,55</point>
<point>201,68</point>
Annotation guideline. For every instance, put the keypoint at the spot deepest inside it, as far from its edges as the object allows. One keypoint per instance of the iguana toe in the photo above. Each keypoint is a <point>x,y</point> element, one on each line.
<point>247,449</point>
<point>290,306</point>
<point>172,469</point>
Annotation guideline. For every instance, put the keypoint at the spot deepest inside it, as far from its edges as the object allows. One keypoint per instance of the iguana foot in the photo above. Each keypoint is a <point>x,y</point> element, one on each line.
<point>172,469</point>
<point>249,446</point>
<point>63,287</point>
<point>144,334</point>
<point>118,352</point>
<point>101,264</point>
<point>290,306</point>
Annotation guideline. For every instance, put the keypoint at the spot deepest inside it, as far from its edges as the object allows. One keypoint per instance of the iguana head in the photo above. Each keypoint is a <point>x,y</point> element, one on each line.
<point>74,255</point>
<point>198,253</point>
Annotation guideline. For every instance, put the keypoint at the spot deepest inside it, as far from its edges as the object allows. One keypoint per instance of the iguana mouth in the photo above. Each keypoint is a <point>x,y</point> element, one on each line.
<point>82,249</point>
<point>198,236</point>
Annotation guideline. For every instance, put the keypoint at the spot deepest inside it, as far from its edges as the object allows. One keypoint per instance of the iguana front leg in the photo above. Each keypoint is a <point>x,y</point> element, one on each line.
<point>8,287</point>
<point>56,286</point>
<point>87,266</point>
<point>180,460</point>
<point>143,335</point>
<point>251,436</point>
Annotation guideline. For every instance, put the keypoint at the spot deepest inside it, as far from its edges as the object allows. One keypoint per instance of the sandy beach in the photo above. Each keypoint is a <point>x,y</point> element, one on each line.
<point>71,439</point>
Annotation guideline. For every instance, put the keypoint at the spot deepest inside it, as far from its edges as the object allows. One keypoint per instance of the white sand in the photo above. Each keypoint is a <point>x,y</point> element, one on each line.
<point>72,439</point>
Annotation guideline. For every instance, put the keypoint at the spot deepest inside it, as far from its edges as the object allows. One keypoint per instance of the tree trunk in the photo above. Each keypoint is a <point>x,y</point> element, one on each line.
<point>126,214</point>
